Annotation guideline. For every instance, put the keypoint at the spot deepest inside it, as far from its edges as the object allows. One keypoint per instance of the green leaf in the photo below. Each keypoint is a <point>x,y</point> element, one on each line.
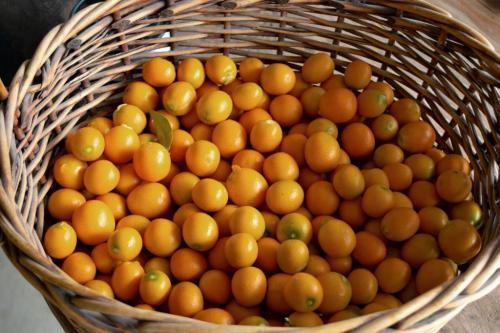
<point>163,129</point>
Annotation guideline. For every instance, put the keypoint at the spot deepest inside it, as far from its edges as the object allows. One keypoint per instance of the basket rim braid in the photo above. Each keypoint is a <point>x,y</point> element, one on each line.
<point>82,65</point>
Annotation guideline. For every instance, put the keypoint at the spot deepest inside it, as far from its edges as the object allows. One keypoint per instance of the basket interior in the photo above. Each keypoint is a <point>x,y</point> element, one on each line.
<point>417,57</point>
<point>410,47</point>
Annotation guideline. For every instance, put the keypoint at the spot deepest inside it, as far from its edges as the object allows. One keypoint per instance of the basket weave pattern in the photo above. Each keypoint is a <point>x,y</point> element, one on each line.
<point>82,66</point>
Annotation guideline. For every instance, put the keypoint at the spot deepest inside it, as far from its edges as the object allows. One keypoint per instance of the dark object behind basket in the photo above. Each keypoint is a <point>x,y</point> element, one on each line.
<point>23,24</point>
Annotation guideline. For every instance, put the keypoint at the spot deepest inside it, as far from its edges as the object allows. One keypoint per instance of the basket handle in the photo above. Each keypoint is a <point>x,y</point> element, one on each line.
<point>4,93</point>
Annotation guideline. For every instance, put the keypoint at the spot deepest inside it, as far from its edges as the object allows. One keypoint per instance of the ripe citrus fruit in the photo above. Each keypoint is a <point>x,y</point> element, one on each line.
<point>150,200</point>
<point>310,100</point>
<point>336,238</point>
<point>338,105</point>
<point>191,70</point>
<point>364,286</point>
<point>230,137</point>
<point>101,177</point>
<point>405,110</point>
<point>294,226</point>
<point>116,203</point>
<point>334,81</point>
<point>286,110</point>
<point>433,273</point>
<point>162,237</point>
<point>317,68</point>
<point>187,264</point>
<point>215,315</point>
<point>87,144</point>
<point>221,69</point>
<point>130,116</point>
<point>80,267</point>
<point>322,152</point>
<point>216,286</point>
<point>60,240</point>
<point>246,187</point>
<point>303,292</point>
<point>248,286</point>
<point>141,95</point>
<point>416,137</point>
<point>284,196</point>
<point>202,158</point>
<point>280,166</point>
<point>247,96</point>
<point>100,287</point>
<point>336,292</point>
<point>247,219</point>
<point>348,181</point>
<point>241,250</point>
<point>459,241</point>
<point>101,124</point>
<point>321,198</point>
<point>266,136</point>
<point>185,299</point>
<point>200,231</point>
<point>371,103</point>
<point>63,202</point>
<point>419,249</point>
<point>277,79</point>
<point>214,107</point>
<point>68,171</point>
<point>151,162</point>
<point>209,195</point>
<point>93,222</point>
<point>292,256</point>
<point>179,98</point>
<point>158,72</point>
<point>154,287</point>
<point>383,87</point>
<point>357,74</point>
<point>250,69</point>
<point>124,244</point>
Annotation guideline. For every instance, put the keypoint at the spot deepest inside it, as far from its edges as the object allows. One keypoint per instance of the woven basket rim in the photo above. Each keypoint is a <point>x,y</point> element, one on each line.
<point>485,268</point>
<point>472,34</point>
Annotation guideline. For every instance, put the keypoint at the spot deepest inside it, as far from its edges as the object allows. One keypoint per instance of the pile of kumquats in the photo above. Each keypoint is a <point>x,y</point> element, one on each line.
<point>262,196</point>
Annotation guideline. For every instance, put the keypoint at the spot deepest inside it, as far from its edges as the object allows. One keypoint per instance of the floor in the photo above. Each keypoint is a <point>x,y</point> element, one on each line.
<point>26,311</point>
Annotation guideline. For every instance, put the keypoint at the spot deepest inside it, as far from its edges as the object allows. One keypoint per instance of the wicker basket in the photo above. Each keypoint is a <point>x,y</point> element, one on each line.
<point>81,67</point>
